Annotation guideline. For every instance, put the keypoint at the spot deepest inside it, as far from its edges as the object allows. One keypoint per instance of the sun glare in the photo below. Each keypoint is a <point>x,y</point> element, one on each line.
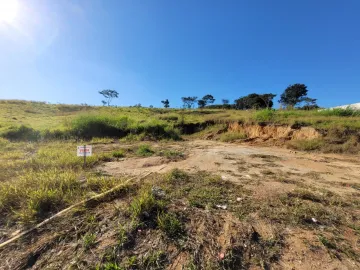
<point>8,11</point>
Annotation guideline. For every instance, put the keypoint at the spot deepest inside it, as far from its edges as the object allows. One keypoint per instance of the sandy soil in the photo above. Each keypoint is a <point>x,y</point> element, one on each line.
<point>244,164</point>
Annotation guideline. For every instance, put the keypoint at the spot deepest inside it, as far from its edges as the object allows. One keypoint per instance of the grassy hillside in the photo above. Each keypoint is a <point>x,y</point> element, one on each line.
<point>42,118</point>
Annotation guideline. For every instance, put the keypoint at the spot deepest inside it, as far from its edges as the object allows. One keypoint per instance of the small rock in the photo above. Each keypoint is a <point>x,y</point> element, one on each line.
<point>224,207</point>
<point>223,177</point>
<point>314,220</point>
<point>221,256</point>
<point>158,192</point>
<point>238,199</point>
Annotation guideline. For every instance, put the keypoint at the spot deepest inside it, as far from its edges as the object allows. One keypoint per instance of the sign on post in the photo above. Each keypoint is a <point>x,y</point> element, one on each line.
<point>84,151</point>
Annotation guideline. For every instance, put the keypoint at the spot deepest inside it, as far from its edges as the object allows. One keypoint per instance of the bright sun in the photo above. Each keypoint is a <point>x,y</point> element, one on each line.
<point>8,10</point>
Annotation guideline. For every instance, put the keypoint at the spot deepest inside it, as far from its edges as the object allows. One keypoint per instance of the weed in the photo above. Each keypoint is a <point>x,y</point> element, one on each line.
<point>232,136</point>
<point>89,240</point>
<point>131,262</point>
<point>109,266</point>
<point>264,115</point>
<point>145,207</point>
<point>306,145</point>
<point>177,175</point>
<point>144,150</point>
<point>170,224</point>
<point>118,154</point>
<point>154,261</point>
<point>172,154</point>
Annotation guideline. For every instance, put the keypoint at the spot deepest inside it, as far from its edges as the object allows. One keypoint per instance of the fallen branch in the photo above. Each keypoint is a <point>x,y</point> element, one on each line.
<point>69,208</point>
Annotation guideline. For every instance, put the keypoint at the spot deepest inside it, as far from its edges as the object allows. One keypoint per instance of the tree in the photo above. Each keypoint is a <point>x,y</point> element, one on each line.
<point>225,101</point>
<point>109,95</point>
<point>254,101</point>
<point>267,98</point>
<point>188,101</point>
<point>310,104</point>
<point>209,99</point>
<point>166,103</point>
<point>293,95</point>
<point>201,103</point>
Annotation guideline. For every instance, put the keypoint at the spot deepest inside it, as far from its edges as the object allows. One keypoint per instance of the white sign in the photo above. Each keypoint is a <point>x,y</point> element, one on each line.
<point>84,151</point>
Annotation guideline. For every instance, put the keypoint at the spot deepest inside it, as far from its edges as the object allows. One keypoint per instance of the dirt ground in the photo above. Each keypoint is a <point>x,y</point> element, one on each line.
<point>241,163</point>
<point>264,171</point>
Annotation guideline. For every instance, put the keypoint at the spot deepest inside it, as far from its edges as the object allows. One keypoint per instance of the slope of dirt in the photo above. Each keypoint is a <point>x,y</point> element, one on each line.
<point>275,131</point>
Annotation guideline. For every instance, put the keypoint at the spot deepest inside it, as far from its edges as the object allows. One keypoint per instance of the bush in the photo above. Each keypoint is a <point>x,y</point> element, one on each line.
<point>99,126</point>
<point>264,115</point>
<point>23,133</point>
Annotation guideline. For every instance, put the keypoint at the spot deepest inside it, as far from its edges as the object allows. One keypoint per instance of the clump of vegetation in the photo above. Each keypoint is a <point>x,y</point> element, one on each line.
<point>170,224</point>
<point>306,145</point>
<point>172,154</point>
<point>144,150</point>
<point>89,240</point>
<point>22,133</point>
<point>264,115</point>
<point>118,154</point>
<point>232,136</point>
<point>155,260</point>
<point>145,206</point>
<point>177,176</point>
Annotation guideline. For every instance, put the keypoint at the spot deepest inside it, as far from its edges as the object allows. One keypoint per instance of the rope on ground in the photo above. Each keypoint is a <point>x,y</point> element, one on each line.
<point>69,208</point>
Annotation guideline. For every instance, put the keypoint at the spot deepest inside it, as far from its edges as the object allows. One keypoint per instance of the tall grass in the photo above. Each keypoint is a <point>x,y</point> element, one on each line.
<point>40,182</point>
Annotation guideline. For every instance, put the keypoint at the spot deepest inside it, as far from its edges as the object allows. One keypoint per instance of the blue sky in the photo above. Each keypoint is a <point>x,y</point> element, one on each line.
<point>66,51</point>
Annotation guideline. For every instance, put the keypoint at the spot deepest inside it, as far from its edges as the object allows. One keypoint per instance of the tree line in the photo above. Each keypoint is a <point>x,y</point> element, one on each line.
<point>293,95</point>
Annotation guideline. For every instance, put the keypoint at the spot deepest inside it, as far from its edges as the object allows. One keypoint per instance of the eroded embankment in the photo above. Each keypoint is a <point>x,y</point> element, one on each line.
<point>274,131</point>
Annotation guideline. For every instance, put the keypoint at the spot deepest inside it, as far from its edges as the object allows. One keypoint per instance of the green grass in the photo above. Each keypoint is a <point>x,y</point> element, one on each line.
<point>144,150</point>
<point>145,206</point>
<point>170,225</point>
<point>21,120</point>
<point>232,136</point>
<point>89,240</point>
<point>118,154</point>
<point>306,145</point>
<point>39,179</point>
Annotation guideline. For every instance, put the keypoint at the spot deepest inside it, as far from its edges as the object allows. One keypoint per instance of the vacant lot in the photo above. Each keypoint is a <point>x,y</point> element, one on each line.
<point>205,205</point>
<point>175,189</point>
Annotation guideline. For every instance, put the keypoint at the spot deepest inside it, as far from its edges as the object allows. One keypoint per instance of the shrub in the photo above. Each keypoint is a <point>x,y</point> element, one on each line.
<point>98,126</point>
<point>264,115</point>
<point>22,133</point>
